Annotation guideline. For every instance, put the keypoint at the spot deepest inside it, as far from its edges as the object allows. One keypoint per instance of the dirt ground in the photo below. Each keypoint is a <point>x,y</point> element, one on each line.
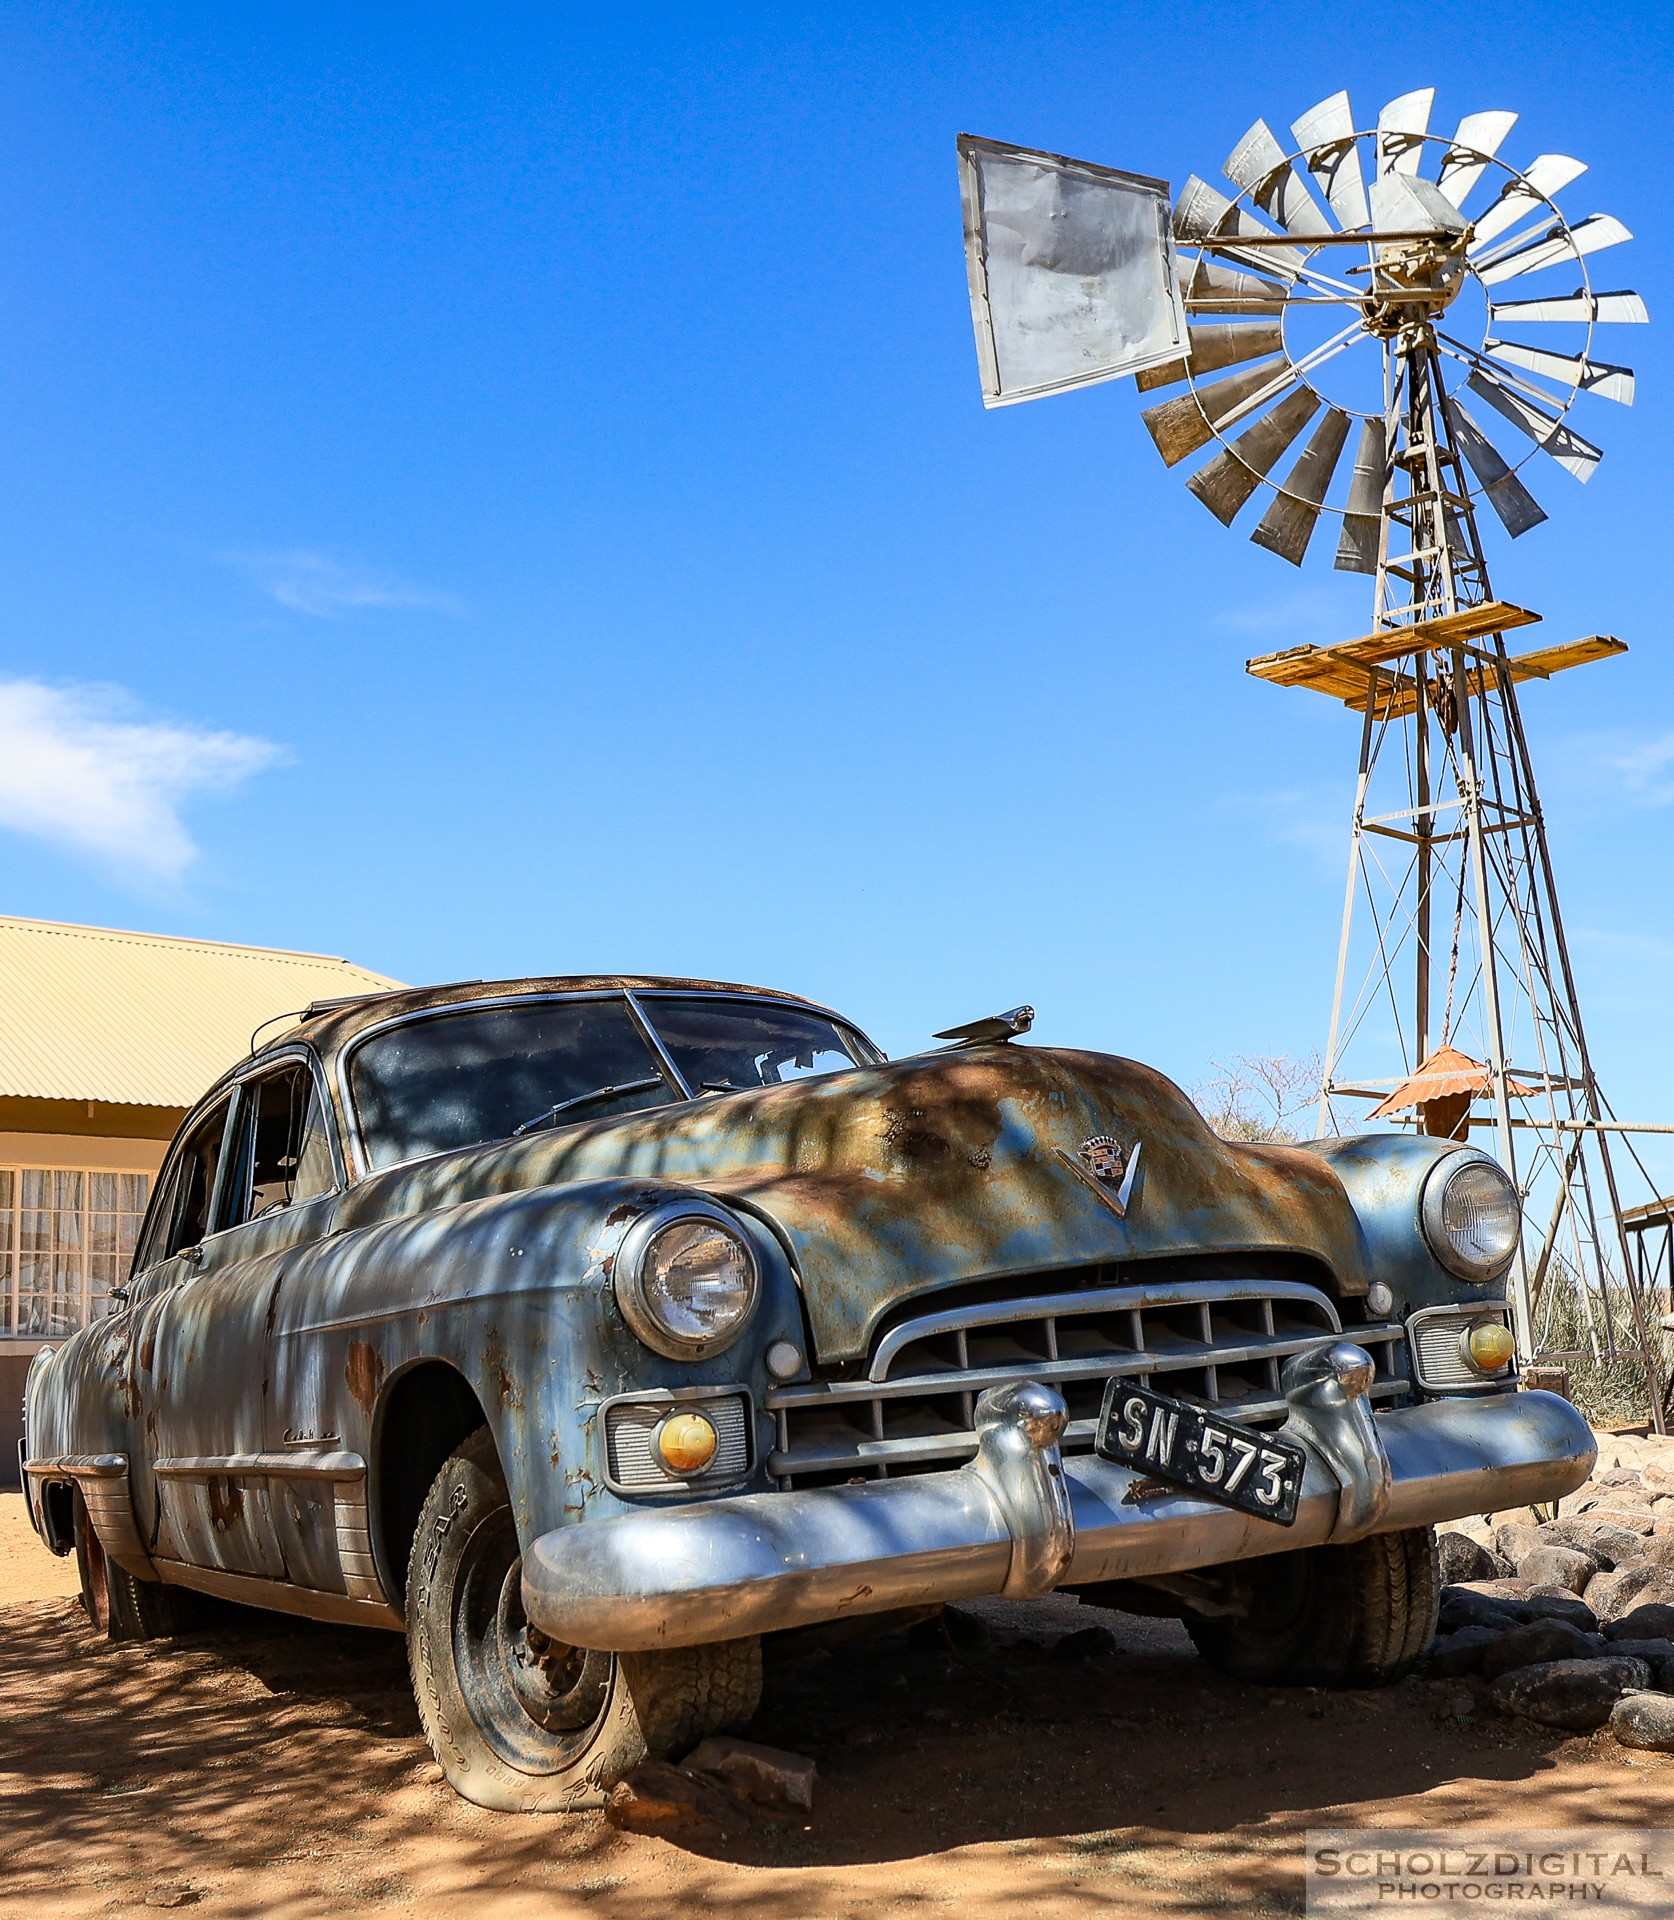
<point>271,1769</point>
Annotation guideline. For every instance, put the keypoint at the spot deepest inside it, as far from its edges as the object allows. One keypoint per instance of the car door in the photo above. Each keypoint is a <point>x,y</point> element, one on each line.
<point>246,1197</point>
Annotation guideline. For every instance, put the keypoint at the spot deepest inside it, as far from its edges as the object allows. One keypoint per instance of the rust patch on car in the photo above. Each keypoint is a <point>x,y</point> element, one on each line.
<point>619,1216</point>
<point>226,1502</point>
<point>499,1375</point>
<point>364,1373</point>
<point>148,1349</point>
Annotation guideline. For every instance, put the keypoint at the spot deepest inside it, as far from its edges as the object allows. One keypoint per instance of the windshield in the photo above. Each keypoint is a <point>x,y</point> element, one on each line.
<point>723,1045</point>
<point>481,1073</point>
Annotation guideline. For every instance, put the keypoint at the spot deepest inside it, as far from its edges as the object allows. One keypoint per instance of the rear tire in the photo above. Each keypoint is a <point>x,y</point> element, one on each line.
<point>1359,1615</point>
<point>518,1722</point>
<point>117,1603</point>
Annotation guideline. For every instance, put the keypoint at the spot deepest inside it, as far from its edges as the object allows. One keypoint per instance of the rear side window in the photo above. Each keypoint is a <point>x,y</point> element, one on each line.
<point>194,1188</point>
<point>284,1151</point>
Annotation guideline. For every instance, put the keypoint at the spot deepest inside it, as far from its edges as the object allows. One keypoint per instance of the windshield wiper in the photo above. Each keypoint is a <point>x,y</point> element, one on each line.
<point>586,1099</point>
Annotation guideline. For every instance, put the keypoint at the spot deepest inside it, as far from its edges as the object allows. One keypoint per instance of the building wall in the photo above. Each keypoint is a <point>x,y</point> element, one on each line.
<point>68,1153</point>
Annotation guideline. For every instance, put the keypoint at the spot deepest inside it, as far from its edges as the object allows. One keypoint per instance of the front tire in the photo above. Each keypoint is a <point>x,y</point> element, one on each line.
<point>117,1603</point>
<point>518,1722</point>
<point>1359,1615</point>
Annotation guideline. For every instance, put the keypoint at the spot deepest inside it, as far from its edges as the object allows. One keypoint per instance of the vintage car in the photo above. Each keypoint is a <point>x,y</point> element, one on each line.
<point>587,1330</point>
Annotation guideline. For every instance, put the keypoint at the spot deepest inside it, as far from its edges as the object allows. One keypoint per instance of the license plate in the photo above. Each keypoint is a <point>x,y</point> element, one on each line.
<point>1171,1440</point>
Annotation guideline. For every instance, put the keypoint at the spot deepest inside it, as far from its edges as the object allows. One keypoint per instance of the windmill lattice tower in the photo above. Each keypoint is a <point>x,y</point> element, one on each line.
<point>1452,936</point>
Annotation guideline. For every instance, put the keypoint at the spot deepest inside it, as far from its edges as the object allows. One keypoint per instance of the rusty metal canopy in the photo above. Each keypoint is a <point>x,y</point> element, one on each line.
<point>1445,1072</point>
<point>1071,271</point>
<point>143,1019</point>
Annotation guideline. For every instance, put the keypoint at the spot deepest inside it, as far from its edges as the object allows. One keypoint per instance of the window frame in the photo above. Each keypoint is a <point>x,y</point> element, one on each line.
<point>243,1089</point>
<point>11,1285</point>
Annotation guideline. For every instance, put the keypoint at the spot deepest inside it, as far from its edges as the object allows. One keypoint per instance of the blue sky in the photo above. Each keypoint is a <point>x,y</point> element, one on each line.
<point>506,490</point>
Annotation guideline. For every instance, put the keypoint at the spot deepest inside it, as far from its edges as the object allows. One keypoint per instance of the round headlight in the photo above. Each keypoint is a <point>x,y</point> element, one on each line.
<point>686,1283</point>
<point>1472,1217</point>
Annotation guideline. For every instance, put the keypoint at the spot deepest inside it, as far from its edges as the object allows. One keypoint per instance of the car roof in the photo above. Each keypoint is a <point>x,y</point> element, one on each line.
<point>329,1025</point>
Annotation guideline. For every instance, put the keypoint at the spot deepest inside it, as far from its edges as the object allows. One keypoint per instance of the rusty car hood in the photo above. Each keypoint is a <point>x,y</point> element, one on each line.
<point>895,1181</point>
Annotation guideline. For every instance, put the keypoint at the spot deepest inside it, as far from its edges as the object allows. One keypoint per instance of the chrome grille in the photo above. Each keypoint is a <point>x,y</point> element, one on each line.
<point>1438,1347</point>
<point>1220,1342</point>
<point>631,1433</point>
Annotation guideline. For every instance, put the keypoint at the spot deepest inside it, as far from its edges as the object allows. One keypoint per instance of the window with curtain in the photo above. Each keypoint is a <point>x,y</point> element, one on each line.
<point>66,1238</point>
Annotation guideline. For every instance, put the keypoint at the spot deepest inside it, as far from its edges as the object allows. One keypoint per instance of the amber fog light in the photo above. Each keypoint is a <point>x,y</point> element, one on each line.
<point>686,1443</point>
<point>1489,1346</point>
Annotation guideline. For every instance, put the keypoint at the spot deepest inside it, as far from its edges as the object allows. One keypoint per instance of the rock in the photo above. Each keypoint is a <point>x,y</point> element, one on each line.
<point>767,1775</point>
<point>1657,1654</point>
<point>1575,1694</point>
<point>1553,1605</point>
<point>1644,1720</point>
<point>1611,1595</point>
<point>1464,1559</point>
<point>177,1895</point>
<point>1509,1589</point>
<point>1632,1519</point>
<point>1086,1643</point>
<point>968,1631</point>
<point>1609,1545</point>
<point>1456,1703</point>
<point>1463,1606</point>
<point>660,1799</point>
<point>1656,1481</point>
<point>1654,1620</point>
<point>1658,1550</point>
<point>1539,1644</point>
<point>1557,1567</point>
<point>1515,1538</point>
<point>1461,1653</point>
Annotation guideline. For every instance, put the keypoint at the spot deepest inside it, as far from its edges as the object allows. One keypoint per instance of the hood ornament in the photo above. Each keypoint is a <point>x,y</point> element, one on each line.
<point>1104,1168</point>
<point>997,1026</point>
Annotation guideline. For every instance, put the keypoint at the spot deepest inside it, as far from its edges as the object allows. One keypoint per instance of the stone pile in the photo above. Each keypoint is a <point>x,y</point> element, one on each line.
<point>1570,1621</point>
<point>714,1792</point>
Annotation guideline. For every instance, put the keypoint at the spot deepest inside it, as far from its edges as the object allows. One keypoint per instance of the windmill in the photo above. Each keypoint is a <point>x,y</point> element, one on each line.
<point>1381,328</point>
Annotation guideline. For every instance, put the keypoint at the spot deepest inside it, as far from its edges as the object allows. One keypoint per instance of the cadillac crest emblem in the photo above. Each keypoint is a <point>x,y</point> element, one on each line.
<point>1103,1157</point>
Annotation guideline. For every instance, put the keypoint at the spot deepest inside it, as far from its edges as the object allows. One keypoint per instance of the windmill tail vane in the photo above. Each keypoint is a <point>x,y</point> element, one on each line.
<point>1383,327</point>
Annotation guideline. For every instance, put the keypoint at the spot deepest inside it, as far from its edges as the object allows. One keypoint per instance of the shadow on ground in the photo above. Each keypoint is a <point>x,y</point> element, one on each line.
<point>265,1766</point>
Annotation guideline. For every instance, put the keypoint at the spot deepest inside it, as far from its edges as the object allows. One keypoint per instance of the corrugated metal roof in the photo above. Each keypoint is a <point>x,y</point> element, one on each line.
<point>143,1019</point>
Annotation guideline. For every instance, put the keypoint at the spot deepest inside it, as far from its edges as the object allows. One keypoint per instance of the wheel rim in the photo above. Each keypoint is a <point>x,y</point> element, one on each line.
<point>537,1703</point>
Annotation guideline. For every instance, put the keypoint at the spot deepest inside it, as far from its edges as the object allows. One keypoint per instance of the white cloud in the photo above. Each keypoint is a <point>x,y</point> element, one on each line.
<point>1314,614</point>
<point>1646,769</point>
<point>315,583</point>
<point>80,768</point>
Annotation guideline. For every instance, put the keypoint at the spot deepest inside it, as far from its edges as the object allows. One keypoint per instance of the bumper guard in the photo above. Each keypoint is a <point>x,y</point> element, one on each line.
<point>1021,1520</point>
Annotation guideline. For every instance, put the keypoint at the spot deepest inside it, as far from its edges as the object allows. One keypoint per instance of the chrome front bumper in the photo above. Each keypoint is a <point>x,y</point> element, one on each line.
<point>1020,1520</point>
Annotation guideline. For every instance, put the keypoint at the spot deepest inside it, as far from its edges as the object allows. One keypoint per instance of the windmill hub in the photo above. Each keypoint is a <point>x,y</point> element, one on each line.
<point>1415,280</point>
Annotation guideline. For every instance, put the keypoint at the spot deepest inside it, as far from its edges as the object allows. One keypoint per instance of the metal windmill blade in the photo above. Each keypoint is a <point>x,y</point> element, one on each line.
<point>1477,140</point>
<point>1357,549</point>
<point>1511,500</point>
<point>1227,481</point>
<point>1261,166</point>
<point>1402,126</point>
<point>1569,369</point>
<point>1288,524</point>
<point>1326,136</point>
<point>1298,281</point>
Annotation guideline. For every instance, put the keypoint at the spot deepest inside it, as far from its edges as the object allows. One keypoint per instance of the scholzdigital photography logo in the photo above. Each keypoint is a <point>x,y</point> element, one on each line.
<point>1356,1870</point>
